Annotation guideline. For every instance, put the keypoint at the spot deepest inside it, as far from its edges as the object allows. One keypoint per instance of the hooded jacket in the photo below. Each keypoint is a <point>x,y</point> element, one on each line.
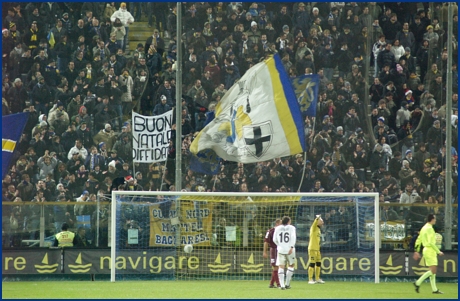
<point>124,15</point>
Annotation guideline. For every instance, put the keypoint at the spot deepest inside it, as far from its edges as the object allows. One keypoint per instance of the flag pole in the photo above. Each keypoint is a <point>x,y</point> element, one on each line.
<point>303,170</point>
<point>162,175</point>
<point>214,185</point>
<point>305,159</point>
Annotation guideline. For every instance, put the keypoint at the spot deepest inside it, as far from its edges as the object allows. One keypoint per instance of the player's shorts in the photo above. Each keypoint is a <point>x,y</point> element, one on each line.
<point>430,256</point>
<point>273,253</point>
<point>285,259</point>
<point>314,256</point>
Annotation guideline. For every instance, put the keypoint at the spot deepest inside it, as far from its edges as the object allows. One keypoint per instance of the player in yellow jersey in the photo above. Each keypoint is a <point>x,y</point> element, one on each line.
<point>314,251</point>
<point>427,239</point>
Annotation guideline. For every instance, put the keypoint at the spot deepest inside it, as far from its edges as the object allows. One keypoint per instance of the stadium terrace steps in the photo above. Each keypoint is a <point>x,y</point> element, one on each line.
<point>139,32</point>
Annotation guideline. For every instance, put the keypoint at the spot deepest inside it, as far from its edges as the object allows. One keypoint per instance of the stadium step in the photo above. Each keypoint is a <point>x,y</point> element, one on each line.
<point>140,26</point>
<point>139,32</point>
<point>139,35</point>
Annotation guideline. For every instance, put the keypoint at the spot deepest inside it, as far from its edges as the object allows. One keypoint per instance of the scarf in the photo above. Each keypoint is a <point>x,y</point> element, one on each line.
<point>33,37</point>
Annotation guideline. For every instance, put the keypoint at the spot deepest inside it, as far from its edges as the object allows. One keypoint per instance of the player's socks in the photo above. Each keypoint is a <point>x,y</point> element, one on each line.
<point>423,277</point>
<point>289,273</point>
<point>277,281</point>
<point>272,280</point>
<point>311,272</point>
<point>281,277</point>
<point>317,273</point>
<point>433,283</point>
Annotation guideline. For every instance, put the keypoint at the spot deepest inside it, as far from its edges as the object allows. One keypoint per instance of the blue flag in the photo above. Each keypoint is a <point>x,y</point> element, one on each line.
<point>206,161</point>
<point>12,127</point>
<point>306,90</point>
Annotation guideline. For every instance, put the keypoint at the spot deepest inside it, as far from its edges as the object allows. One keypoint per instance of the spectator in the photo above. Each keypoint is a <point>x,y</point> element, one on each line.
<point>124,148</point>
<point>126,19</point>
<point>126,86</point>
<point>78,148</point>
<point>389,214</point>
<point>17,96</point>
<point>105,135</point>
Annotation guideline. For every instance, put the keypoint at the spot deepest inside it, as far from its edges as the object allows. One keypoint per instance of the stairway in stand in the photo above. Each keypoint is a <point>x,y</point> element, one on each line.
<point>139,32</point>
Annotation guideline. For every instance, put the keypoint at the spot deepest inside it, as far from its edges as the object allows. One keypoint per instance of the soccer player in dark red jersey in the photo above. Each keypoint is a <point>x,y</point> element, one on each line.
<point>268,243</point>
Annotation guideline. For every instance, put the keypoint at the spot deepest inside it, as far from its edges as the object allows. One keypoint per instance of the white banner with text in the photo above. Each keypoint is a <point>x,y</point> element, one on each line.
<point>151,135</point>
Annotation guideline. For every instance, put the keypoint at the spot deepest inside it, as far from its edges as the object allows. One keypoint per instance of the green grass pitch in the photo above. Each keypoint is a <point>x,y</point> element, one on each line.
<point>219,290</point>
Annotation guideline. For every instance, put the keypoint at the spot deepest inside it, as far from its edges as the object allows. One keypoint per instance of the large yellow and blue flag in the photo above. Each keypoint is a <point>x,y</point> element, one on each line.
<point>12,128</point>
<point>206,161</point>
<point>306,89</point>
<point>258,119</point>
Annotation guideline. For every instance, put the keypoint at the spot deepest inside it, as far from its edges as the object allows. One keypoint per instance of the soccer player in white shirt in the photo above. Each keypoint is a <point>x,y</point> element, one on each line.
<point>285,239</point>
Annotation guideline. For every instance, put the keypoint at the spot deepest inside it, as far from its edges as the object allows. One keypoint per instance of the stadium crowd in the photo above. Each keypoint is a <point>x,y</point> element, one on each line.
<point>69,65</point>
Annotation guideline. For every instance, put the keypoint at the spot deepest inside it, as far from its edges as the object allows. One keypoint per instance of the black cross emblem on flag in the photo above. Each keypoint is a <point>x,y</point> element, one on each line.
<point>258,140</point>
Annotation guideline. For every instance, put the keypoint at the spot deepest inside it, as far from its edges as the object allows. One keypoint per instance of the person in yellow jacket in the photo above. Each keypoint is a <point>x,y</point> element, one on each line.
<point>314,251</point>
<point>65,238</point>
<point>427,239</point>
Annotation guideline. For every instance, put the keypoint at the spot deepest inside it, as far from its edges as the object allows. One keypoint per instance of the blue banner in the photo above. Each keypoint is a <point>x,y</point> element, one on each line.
<point>12,127</point>
<point>306,90</point>
<point>206,161</point>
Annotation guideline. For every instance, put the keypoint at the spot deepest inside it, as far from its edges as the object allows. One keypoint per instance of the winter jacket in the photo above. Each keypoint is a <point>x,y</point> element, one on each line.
<point>124,16</point>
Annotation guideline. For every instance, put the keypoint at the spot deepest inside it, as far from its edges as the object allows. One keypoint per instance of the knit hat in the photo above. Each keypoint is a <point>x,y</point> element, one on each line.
<point>285,27</point>
<point>408,151</point>
<point>339,128</point>
<point>101,144</point>
<point>408,91</point>
<point>325,116</point>
<point>107,125</point>
<point>253,23</point>
<point>381,119</point>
